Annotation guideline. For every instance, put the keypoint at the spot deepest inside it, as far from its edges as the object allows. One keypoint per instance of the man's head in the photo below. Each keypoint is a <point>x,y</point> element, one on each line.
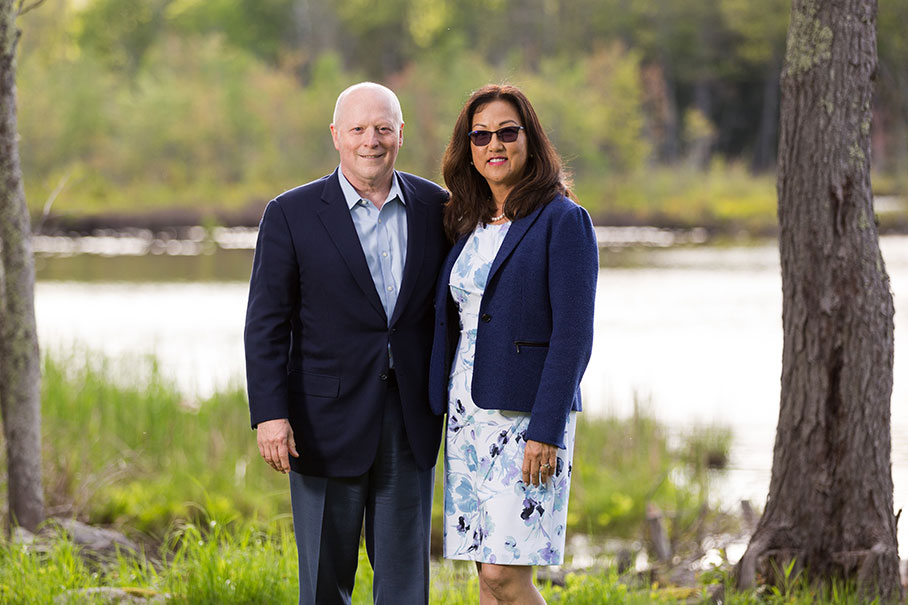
<point>368,130</point>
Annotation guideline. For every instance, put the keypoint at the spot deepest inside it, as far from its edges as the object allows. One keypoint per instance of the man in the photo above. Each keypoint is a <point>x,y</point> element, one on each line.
<point>338,335</point>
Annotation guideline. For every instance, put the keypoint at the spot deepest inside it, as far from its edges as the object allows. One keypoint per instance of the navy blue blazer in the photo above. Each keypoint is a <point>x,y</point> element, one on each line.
<point>535,331</point>
<point>317,336</point>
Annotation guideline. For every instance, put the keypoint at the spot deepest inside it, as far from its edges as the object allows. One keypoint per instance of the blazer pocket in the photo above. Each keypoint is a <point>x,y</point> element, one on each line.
<point>530,344</point>
<point>316,385</point>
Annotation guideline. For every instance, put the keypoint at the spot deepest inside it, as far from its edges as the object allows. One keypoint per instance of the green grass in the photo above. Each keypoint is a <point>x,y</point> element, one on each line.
<point>219,563</point>
<point>124,448</point>
<point>139,455</point>
<point>724,196</point>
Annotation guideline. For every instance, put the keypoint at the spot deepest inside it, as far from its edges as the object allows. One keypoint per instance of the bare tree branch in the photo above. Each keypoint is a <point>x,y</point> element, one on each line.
<point>22,9</point>
<point>50,200</point>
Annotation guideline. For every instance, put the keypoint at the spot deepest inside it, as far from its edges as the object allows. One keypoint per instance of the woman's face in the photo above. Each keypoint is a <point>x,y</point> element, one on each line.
<point>502,164</point>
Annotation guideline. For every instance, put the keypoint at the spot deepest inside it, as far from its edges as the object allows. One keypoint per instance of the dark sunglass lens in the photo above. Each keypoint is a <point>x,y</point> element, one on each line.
<point>508,134</point>
<point>480,138</point>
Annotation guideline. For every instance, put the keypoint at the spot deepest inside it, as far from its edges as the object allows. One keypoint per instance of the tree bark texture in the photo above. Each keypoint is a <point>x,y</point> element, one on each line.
<point>20,403</point>
<point>830,496</point>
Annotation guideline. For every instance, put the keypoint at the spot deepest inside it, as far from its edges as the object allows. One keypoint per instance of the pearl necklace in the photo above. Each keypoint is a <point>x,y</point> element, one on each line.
<point>495,219</point>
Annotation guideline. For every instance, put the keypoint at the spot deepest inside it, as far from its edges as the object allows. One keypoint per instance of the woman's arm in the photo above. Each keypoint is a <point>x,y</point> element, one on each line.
<point>573,270</point>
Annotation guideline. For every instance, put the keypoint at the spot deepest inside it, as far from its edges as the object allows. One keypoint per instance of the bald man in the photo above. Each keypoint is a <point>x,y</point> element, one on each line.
<point>338,335</point>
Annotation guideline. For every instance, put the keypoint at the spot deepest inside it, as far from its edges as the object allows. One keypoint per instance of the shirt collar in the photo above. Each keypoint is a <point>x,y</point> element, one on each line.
<point>352,197</point>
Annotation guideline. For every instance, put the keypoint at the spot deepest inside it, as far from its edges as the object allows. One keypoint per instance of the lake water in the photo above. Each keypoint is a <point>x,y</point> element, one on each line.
<point>693,332</point>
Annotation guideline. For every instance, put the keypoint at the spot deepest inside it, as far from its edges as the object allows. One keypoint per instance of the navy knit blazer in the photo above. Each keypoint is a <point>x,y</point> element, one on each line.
<point>535,329</point>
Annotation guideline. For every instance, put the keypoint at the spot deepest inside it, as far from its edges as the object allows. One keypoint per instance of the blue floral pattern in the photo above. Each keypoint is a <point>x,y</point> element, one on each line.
<point>490,515</point>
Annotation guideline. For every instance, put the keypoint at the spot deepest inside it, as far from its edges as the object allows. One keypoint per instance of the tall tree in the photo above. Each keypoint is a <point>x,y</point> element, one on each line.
<point>20,403</point>
<point>830,496</point>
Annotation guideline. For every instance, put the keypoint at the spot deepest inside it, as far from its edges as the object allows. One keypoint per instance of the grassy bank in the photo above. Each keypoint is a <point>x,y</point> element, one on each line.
<point>215,563</point>
<point>726,199</point>
<point>124,448</point>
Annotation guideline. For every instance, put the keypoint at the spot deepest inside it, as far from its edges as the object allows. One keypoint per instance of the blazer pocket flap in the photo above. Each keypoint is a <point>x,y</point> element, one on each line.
<point>318,385</point>
<point>530,344</point>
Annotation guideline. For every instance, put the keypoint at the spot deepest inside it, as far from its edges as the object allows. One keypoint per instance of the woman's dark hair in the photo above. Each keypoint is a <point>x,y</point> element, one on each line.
<point>471,199</point>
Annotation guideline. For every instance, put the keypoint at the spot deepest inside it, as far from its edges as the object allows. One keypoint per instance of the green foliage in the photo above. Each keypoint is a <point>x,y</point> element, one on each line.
<point>622,464</point>
<point>792,587</point>
<point>230,565</point>
<point>706,447</point>
<point>762,27</point>
<point>122,446</point>
<point>722,196</point>
<point>31,576</point>
<point>262,28</point>
<point>218,105</point>
<point>598,126</point>
<point>121,31</point>
<point>210,127</point>
<point>138,454</point>
<point>216,562</point>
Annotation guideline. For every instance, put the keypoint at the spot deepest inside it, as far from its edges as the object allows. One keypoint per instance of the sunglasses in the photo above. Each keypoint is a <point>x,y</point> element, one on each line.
<point>508,134</point>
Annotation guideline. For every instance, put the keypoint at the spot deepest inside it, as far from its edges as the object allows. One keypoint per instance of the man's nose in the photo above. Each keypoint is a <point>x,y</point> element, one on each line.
<point>372,137</point>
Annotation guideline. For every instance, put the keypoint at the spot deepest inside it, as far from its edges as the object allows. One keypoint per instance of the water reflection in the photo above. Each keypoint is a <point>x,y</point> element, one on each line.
<point>223,266</point>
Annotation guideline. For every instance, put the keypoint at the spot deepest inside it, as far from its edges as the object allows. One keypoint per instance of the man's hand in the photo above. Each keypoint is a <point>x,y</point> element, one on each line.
<point>275,439</point>
<point>539,462</point>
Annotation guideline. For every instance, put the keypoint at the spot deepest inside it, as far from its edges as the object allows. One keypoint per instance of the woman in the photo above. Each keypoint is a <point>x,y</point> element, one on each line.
<point>514,330</point>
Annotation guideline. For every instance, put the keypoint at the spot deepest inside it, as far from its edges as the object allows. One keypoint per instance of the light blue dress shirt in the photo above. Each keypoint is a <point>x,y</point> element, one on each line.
<point>383,236</point>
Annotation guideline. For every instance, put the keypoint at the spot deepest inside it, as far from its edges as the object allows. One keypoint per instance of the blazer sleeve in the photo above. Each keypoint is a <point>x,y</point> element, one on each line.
<point>573,269</point>
<point>273,299</point>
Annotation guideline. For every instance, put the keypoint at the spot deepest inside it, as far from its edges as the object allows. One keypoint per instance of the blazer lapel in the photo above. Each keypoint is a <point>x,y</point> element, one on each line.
<point>335,216</point>
<point>416,244</point>
<point>515,233</point>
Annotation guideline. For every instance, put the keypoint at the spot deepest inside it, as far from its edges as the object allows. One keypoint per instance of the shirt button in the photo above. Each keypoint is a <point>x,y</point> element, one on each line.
<point>384,254</point>
<point>486,317</point>
<point>390,288</point>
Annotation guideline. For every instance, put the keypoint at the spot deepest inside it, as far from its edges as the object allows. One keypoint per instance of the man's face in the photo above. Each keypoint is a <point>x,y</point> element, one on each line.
<point>368,136</point>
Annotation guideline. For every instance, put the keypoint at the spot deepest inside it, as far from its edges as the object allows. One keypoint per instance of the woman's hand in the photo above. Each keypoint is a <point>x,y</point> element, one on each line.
<point>539,462</point>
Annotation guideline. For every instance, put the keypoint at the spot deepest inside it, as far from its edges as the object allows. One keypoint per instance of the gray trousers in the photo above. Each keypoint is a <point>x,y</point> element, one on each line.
<point>395,499</point>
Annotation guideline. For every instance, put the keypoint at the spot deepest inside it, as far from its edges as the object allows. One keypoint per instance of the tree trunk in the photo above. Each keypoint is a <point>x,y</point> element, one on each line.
<point>830,497</point>
<point>20,403</point>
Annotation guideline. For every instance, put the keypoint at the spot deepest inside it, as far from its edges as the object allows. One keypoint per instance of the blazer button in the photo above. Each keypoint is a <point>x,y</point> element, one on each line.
<point>393,330</point>
<point>486,317</point>
<point>383,376</point>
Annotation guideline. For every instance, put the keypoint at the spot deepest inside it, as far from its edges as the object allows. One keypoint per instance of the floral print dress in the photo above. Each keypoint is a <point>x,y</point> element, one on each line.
<point>490,515</point>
